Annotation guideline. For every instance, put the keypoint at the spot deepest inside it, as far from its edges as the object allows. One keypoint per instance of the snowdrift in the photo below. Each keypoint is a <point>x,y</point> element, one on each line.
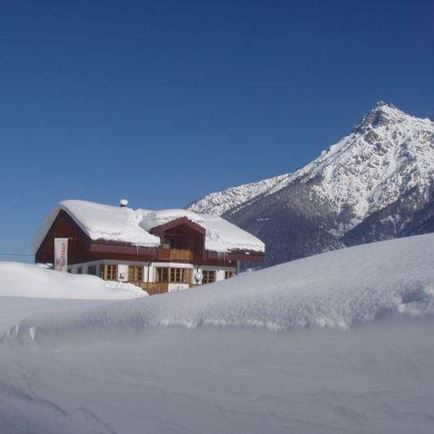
<point>337,290</point>
<point>26,280</point>
<point>266,353</point>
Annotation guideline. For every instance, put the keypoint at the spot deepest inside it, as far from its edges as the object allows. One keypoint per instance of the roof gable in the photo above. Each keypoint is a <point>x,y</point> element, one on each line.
<point>181,221</point>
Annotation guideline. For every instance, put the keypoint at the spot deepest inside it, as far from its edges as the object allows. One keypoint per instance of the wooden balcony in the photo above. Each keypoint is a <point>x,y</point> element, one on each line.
<point>154,288</point>
<point>175,255</point>
<point>182,255</point>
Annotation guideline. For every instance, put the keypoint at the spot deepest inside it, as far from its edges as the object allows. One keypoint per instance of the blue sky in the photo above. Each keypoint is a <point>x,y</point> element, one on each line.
<point>164,101</point>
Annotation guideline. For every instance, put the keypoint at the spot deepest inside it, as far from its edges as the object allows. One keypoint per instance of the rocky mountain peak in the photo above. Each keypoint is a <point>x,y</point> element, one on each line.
<point>381,114</point>
<point>375,183</point>
<point>384,105</point>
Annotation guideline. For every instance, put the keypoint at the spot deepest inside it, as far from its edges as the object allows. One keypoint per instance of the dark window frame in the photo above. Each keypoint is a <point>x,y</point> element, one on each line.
<point>209,276</point>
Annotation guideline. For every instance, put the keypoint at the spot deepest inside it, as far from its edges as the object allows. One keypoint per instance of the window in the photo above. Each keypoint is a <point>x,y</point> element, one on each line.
<point>111,272</point>
<point>173,275</point>
<point>135,273</point>
<point>208,276</point>
<point>177,275</point>
<point>177,242</point>
<point>229,274</point>
<point>79,270</point>
<point>91,270</point>
<point>162,274</point>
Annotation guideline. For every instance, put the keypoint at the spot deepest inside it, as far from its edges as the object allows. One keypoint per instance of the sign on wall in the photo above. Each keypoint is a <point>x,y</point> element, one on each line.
<point>61,254</point>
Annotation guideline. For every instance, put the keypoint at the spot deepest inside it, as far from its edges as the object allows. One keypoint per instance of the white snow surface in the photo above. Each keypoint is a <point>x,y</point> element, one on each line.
<point>341,342</point>
<point>27,280</point>
<point>387,154</point>
<point>221,201</point>
<point>122,224</point>
<point>334,290</point>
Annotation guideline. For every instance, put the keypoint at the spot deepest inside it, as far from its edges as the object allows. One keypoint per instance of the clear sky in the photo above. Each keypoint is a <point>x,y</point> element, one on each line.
<point>163,101</point>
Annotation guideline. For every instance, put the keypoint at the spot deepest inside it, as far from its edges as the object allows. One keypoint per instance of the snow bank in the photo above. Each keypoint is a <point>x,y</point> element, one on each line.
<point>26,280</point>
<point>335,290</point>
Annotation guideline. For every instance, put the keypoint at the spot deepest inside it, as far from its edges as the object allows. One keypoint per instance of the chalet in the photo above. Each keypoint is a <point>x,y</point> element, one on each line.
<point>159,251</point>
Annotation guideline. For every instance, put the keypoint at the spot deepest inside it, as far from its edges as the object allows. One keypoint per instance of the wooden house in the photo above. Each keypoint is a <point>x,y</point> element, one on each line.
<point>159,251</point>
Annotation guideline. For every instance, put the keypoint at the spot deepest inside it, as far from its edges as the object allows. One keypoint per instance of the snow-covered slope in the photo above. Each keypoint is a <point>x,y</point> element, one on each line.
<point>335,290</point>
<point>351,193</point>
<point>220,202</point>
<point>341,342</point>
<point>26,280</point>
<point>327,344</point>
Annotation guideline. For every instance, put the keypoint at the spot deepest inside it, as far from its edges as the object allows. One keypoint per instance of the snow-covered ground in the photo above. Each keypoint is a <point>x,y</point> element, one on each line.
<point>339,342</point>
<point>35,281</point>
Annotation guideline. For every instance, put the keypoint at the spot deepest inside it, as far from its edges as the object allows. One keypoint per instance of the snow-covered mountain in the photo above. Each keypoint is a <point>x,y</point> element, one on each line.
<point>375,183</point>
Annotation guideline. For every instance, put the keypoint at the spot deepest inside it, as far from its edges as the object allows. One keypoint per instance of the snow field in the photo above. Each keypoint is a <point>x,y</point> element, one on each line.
<point>335,290</point>
<point>337,343</point>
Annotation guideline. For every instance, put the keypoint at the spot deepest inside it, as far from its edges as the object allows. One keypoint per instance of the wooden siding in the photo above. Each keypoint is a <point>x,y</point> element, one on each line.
<point>101,249</point>
<point>78,242</point>
<point>182,221</point>
<point>181,255</point>
<point>194,233</point>
<point>230,258</point>
<point>153,288</point>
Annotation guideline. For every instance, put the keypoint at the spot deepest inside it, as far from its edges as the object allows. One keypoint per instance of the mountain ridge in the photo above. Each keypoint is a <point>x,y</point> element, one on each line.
<point>375,183</point>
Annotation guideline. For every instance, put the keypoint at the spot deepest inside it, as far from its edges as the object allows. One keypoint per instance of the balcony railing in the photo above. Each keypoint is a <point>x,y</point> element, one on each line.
<point>181,255</point>
<point>152,288</point>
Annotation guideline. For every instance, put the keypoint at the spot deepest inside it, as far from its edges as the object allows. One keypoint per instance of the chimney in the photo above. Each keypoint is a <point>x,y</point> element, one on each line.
<point>123,203</point>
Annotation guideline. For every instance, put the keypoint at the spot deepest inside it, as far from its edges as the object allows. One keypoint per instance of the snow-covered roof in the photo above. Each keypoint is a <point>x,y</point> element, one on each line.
<point>122,224</point>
